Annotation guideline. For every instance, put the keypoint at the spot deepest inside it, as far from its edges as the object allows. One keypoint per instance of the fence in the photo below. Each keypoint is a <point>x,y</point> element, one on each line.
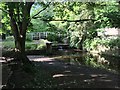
<point>41,35</point>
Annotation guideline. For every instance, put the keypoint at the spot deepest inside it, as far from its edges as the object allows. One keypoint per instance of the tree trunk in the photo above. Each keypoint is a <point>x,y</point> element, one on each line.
<point>19,30</point>
<point>20,51</point>
<point>82,41</point>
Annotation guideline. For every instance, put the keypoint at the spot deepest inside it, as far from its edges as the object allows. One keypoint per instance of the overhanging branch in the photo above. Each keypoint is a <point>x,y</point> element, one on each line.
<point>65,20</point>
<point>41,10</point>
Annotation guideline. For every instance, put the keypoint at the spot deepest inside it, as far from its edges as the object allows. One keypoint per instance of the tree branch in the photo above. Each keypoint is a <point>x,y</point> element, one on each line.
<point>41,10</point>
<point>13,24</point>
<point>26,17</point>
<point>65,20</point>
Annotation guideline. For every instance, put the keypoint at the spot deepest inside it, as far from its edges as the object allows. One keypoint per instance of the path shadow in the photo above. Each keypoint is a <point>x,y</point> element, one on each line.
<point>68,75</point>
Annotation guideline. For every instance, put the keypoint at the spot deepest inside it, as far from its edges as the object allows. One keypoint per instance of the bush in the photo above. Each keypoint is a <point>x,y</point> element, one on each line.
<point>52,37</point>
<point>9,38</point>
<point>92,44</point>
<point>30,46</point>
<point>40,47</point>
<point>28,37</point>
<point>8,45</point>
<point>74,41</point>
<point>115,43</point>
<point>42,44</point>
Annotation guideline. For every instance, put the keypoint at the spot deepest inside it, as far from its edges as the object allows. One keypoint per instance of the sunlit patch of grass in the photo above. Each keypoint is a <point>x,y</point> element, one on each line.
<point>30,45</point>
<point>8,45</point>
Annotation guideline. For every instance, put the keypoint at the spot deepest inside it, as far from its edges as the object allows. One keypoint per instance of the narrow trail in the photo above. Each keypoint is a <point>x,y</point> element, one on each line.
<point>68,75</point>
<point>59,74</point>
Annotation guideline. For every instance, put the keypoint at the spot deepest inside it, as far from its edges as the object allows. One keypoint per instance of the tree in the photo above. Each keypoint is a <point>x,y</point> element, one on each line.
<point>19,15</point>
<point>85,18</point>
<point>79,17</point>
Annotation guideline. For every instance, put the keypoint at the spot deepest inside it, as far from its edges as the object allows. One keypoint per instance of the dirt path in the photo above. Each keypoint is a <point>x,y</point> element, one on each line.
<point>57,74</point>
<point>67,75</point>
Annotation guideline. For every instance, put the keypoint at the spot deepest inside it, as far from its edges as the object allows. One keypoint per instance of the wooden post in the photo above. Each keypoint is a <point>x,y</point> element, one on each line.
<point>3,36</point>
<point>49,47</point>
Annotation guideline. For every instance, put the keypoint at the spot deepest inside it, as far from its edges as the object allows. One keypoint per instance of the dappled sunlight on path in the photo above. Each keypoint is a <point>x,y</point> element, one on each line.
<point>53,72</point>
<point>40,58</point>
<point>69,75</point>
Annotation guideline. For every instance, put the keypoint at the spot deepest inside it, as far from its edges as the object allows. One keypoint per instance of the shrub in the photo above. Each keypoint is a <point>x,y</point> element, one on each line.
<point>39,47</point>
<point>115,43</point>
<point>9,38</point>
<point>30,46</point>
<point>92,44</point>
<point>8,45</point>
<point>42,44</point>
<point>52,37</point>
<point>28,37</point>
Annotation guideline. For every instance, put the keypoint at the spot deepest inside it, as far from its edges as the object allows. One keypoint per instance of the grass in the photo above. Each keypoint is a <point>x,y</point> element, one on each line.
<point>8,44</point>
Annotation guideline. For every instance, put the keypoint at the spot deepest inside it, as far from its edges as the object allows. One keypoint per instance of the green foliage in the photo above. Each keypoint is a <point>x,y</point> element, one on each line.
<point>42,44</point>
<point>53,37</point>
<point>74,39</point>
<point>30,46</point>
<point>91,44</point>
<point>8,45</point>
<point>115,43</point>
<point>114,18</point>
<point>74,11</point>
<point>28,37</point>
<point>9,38</point>
<point>5,19</point>
<point>104,14</point>
<point>39,26</point>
